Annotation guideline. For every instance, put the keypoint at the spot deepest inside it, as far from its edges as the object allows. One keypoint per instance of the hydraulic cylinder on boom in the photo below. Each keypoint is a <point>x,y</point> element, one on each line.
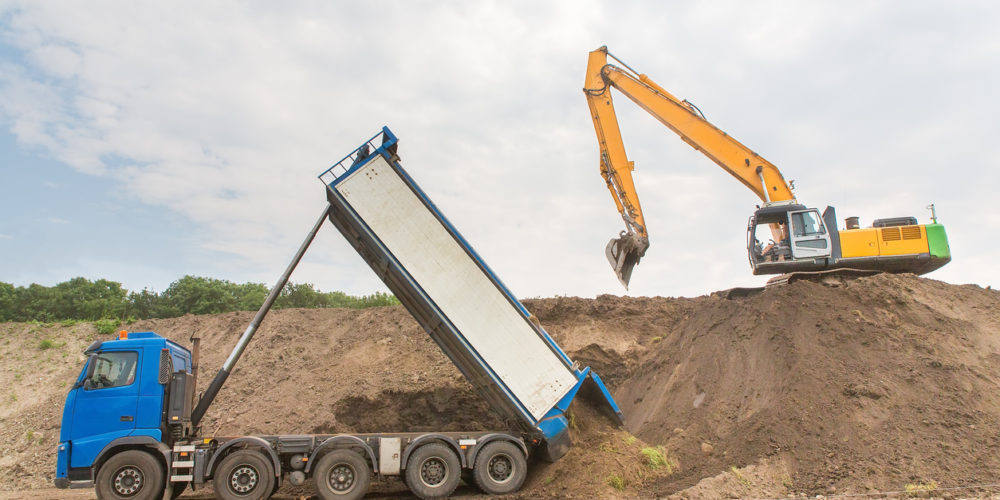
<point>801,239</point>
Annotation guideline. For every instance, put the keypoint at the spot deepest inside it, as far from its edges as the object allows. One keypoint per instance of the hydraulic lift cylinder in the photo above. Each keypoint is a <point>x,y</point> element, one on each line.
<point>241,345</point>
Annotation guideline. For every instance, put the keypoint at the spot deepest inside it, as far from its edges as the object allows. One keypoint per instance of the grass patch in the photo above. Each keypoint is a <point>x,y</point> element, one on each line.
<point>921,486</point>
<point>656,458</point>
<point>106,326</point>
<point>46,344</point>
<point>787,482</point>
<point>656,339</point>
<point>745,481</point>
<point>616,481</point>
<point>628,439</point>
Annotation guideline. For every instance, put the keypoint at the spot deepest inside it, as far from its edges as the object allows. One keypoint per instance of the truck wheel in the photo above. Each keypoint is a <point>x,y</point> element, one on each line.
<point>341,475</point>
<point>244,475</point>
<point>500,468</point>
<point>433,471</point>
<point>130,475</point>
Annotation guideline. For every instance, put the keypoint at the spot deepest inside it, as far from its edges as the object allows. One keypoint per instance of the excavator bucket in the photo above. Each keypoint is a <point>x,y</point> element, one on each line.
<point>624,253</point>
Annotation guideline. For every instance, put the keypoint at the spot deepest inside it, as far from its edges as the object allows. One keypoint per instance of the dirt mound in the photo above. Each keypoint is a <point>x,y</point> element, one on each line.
<point>874,385</point>
<point>870,384</point>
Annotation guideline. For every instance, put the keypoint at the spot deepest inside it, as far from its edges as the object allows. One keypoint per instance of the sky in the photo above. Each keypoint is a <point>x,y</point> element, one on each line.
<point>144,141</point>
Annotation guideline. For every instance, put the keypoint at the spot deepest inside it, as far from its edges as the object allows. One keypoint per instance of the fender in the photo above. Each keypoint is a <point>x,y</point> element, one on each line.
<point>246,440</point>
<point>432,437</point>
<point>131,442</point>
<point>338,440</point>
<point>489,438</point>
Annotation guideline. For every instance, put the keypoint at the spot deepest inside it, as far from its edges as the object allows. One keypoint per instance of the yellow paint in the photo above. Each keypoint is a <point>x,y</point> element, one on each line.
<point>680,117</point>
<point>902,240</point>
<point>858,243</point>
<point>870,242</point>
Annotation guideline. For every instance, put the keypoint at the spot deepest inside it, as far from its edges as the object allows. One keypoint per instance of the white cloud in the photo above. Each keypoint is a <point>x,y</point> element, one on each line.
<point>224,113</point>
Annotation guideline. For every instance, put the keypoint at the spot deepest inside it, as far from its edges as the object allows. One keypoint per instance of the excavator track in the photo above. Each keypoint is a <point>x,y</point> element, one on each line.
<point>827,276</point>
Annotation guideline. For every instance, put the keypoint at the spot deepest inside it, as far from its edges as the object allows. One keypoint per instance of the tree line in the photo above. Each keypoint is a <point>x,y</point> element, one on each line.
<point>86,300</point>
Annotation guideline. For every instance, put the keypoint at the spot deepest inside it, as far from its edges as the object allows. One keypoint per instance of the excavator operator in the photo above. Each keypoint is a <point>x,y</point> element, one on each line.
<point>776,251</point>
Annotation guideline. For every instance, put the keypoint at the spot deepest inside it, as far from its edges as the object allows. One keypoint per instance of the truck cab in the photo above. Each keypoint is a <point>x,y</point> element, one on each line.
<point>117,402</point>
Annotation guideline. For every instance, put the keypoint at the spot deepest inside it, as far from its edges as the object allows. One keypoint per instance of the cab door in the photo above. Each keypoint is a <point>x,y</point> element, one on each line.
<point>106,405</point>
<point>809,236</point>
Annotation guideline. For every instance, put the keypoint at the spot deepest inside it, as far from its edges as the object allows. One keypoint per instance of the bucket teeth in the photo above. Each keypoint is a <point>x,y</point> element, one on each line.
<point>624,253</point>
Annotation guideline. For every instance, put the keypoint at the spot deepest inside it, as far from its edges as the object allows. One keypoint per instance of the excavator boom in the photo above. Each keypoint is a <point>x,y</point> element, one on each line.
<point>625,251</point>
<point>802,239</point>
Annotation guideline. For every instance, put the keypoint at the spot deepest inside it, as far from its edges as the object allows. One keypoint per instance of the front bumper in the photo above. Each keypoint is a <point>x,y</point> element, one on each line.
<point>62,465</point>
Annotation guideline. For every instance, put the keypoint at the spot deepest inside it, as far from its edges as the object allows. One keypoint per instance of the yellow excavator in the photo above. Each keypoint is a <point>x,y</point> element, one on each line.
<point>801,240</point>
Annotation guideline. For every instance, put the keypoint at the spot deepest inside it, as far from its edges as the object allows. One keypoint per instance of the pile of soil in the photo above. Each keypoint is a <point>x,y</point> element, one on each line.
<point>874,384</point>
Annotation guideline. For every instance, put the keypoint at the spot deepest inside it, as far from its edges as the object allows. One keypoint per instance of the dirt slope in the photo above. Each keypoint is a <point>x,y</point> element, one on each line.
<point>872,384</point>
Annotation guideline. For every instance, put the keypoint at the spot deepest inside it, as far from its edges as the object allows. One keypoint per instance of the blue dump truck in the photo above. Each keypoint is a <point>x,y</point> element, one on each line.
<point>131,422</point>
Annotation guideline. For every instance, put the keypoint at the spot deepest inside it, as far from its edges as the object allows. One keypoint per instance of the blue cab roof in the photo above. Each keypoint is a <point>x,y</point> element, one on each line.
<point>135,340</point>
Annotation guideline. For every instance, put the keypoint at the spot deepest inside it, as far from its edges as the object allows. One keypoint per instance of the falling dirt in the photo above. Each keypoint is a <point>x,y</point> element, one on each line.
<point>883,383</point>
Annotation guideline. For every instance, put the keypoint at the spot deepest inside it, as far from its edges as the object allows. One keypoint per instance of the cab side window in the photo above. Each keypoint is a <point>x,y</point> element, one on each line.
<point>112,369</point>
<point>806,224</point>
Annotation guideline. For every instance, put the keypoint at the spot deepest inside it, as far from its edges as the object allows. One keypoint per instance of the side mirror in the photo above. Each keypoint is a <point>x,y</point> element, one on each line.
<point>91,366</point>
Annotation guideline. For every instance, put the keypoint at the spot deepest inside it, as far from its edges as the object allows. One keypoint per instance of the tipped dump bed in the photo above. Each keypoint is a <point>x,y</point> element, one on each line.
<point>452,293</point>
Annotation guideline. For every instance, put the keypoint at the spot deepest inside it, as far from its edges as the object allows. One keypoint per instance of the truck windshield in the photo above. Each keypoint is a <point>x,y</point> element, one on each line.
<point>112,369</point>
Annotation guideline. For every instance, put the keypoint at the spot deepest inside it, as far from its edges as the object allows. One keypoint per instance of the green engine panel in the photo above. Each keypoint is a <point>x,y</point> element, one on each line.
<point>937,241</point>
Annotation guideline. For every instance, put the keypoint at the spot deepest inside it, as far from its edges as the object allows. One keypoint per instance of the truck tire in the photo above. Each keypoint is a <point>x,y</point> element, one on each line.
<point>433,471</point>
<point>500,468</point>
<point>341,475</point>
<point>244,475</point>
<point>130,475</point>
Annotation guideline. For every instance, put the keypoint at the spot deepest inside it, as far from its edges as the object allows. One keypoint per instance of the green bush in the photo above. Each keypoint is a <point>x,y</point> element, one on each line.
<point>104,302</point>
<point>106,326</point>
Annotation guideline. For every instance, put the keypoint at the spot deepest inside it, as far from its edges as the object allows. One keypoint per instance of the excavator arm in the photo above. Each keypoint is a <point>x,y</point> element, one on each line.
<point>756,173</point>
<point>624,251</point>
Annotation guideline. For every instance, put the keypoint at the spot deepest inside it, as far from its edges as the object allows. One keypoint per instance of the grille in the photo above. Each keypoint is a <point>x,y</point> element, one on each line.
<point>911,232</point>
<point>890,234</point>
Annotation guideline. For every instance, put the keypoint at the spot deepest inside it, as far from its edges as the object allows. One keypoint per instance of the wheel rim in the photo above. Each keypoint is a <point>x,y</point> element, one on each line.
<point>500,468</point>
<point>433,472</point>
<point>244,479</point>
<point>128,480</point>
<point>342,478</point>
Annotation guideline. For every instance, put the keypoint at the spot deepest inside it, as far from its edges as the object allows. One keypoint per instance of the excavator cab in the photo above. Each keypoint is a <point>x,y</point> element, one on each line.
<point>787,237</point>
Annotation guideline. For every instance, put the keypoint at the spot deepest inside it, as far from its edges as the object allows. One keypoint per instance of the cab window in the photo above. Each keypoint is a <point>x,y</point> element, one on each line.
<point>112,369</point>
<point>807,224</point>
